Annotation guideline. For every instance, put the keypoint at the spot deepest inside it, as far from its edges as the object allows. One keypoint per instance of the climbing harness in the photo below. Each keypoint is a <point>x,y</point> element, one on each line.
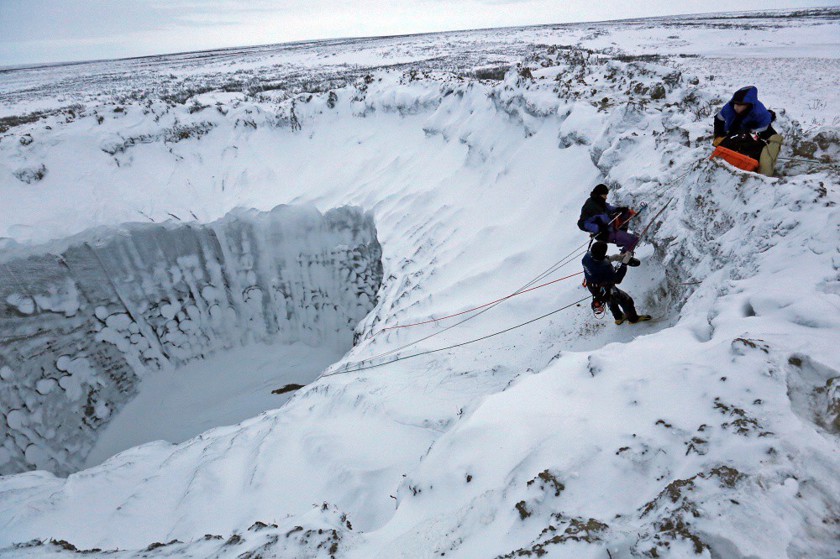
<point>598,304</point>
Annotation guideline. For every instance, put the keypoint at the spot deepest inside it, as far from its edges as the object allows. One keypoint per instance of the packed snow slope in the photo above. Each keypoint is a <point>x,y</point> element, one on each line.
<point>710,432</point>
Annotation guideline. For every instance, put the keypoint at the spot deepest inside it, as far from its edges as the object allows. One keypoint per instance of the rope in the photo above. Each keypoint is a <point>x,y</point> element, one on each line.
<point>651,222</point>
<point>453,346</point>
<point>810,161</point>
<point>475,308</point>
<point>659,189</point>
<point>559,264</point>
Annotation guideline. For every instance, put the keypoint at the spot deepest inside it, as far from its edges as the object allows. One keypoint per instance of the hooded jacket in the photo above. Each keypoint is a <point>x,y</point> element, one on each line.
<point>601,272</point>
<point>595,213</point>
<point>755,119</point>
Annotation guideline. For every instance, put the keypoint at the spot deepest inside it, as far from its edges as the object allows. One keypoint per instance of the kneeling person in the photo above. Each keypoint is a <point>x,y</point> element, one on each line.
<point>744,125</point>
<point>601,279</point>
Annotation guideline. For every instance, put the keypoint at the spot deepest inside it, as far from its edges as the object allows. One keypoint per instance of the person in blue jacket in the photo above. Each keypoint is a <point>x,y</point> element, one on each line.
<point>601,279</point>
<point>744,124</point>
<point>598,218</point>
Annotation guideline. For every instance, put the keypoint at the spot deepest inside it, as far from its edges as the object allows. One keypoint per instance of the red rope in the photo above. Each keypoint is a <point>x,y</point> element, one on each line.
<point>476,308</point>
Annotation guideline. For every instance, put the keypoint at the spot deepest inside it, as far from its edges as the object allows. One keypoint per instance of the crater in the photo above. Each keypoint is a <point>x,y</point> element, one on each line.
<point>116,337</point>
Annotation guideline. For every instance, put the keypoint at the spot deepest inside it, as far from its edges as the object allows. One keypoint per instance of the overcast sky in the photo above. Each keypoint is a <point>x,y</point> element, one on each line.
<point>35,31</point>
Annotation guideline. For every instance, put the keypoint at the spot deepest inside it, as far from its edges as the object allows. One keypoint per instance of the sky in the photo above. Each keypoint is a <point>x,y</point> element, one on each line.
<point>40,31</point>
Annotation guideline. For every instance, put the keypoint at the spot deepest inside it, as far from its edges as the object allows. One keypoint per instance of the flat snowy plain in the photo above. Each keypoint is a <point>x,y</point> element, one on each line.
<point>711,432</point>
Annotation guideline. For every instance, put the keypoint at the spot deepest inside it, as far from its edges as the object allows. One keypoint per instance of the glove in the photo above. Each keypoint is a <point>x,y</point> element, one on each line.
<point>623,210</point>
<point>718,140</point>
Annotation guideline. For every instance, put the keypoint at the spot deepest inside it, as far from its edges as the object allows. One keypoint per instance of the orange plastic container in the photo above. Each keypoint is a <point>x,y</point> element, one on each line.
<point>739,160</point>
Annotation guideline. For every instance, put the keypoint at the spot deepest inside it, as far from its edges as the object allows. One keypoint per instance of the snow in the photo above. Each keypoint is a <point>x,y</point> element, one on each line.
<point>177,405</point>
<point>710,432</point>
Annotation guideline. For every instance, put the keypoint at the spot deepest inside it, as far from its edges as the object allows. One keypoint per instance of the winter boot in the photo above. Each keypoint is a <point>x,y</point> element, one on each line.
<point>620,320</point>
<point>633,262</point>
<point>620,258</point>
<point>642,318</point>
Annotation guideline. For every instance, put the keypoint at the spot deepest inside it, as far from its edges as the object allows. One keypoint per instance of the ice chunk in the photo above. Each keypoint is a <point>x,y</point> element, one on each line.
<point>63,298</point>
<point>63,363</point>
<point>37,456</point>
<point>102,410</point>
<point>81,373</point>
<point>22,303</point>
<point>45,385</point>
<point>16,419</point>
<point>119,322</point>
<point>168,311</point>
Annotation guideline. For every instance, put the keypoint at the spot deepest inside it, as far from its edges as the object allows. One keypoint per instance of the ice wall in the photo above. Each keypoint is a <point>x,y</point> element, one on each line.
<point>83,320</point>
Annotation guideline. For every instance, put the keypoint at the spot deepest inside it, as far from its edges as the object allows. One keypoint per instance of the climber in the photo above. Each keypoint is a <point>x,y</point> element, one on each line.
<point>744,125</point>
<point>601,279</point>
<point>606,222</point>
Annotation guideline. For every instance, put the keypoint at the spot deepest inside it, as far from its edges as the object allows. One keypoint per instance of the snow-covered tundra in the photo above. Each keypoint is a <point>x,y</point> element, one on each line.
<point>182,235</point>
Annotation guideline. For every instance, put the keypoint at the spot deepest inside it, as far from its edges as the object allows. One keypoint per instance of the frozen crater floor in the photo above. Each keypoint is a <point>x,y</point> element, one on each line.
<point>222,389</point>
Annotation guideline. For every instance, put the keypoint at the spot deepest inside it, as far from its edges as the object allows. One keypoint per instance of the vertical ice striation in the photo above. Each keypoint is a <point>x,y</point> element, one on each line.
<point>83,320</point>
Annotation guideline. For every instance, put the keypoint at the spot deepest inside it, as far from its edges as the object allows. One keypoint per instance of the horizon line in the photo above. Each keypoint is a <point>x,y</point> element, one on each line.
<point>39,65</point>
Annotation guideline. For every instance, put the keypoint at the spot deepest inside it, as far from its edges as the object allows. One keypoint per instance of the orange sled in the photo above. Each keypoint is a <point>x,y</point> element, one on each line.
<point>739,160</point>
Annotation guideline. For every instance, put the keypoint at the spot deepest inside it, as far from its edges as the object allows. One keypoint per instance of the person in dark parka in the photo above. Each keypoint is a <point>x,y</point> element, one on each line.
<point>597,217</point>
<point>601,279</point>
<point>744,125</point>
